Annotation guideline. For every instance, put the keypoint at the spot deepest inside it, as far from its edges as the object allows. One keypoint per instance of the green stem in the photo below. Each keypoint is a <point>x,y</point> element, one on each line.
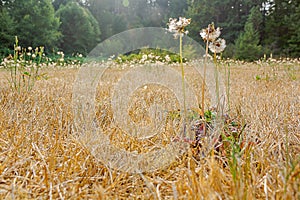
<point>204,81</point>
<point>203,87</point>
<point>228,87</point>
<point>217,81</point>
<point>183,82</point>
<point>14,74</point>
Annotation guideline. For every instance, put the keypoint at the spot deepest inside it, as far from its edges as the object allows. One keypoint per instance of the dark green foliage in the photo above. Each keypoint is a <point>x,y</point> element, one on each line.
<point>247,45</point>
<point>108,17</point>
<point>37,24</point>
<point>231,15</point>
<point>7,31</point>
<point>282,28</point>
<point>79,28</point>
<point>57,3</point>
<point>34,22</point>
<point>294,41</point>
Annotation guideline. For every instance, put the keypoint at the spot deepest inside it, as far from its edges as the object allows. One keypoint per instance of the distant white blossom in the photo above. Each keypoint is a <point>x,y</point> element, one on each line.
<point>18,48</point>
<point>168,59</point>
<point>208,56</point>
<point>144,57</point>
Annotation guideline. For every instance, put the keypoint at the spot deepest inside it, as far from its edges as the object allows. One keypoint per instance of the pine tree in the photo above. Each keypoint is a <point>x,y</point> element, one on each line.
<point>294,41</point>
<point>231,15</point>
<point>282,25</point>
<point>247,45</point>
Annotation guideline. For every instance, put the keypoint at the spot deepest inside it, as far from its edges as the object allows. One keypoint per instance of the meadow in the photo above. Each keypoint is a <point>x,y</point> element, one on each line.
<point>40,157</point>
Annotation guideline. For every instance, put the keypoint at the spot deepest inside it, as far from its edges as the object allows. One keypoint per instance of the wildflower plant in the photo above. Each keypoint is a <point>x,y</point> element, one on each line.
<point>216,45</point>
<point>178,28</point>
<point>25,67</point>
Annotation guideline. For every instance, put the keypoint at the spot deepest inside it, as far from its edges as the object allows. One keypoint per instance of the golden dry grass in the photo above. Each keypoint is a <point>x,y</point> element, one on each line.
<point>39,157</point>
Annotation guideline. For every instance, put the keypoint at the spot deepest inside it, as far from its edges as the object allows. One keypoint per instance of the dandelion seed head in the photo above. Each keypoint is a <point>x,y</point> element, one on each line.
<point>178,26</point>
<point>217,46</point>
<point>210,33</point>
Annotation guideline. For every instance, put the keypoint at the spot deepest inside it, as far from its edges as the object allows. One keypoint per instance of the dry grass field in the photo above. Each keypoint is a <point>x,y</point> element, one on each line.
<point>41,159</point>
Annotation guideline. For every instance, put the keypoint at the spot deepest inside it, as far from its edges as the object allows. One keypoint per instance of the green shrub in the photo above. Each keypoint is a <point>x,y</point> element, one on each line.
<point>149,56</point>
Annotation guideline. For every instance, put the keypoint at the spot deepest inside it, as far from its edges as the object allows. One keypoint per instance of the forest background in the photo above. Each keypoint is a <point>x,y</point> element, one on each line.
<point>252,28</point>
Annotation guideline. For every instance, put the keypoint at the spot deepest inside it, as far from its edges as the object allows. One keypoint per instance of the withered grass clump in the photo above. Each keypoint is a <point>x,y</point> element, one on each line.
<point>39,157</point>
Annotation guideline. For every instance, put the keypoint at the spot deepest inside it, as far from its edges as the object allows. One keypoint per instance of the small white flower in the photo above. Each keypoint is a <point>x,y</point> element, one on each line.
<point>80,55</point>
<point>18,48</point>
<point>29,48</point>
<point>208,56</point>
<point>168,59</point>
<point>33,56</point>
<point>144,57</point>
<point>151,56</point>
<point>210,33</point>
<point>217,46</point>
<point>28,54</point>
<point>61,53</point>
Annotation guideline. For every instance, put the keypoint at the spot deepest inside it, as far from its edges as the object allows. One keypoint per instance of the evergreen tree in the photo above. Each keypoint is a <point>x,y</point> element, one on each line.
<point>80,29</point>
<point>58,3</point>
<point>37,24</point>
<point>231,15</point>
<point>248,43</point>
<point>294,41</point>
<point>281,24</point>
<point>107,14</point>
<point>177,8</point>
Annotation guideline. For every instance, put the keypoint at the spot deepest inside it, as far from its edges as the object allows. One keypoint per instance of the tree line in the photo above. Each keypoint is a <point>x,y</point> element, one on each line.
<point>251,27</point>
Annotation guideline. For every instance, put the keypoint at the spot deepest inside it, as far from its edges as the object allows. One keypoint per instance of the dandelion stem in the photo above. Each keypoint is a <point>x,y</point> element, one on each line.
<point>217,81</point>
<point>203,86</point>
<point>183,83</point>
<point>228,86</point>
